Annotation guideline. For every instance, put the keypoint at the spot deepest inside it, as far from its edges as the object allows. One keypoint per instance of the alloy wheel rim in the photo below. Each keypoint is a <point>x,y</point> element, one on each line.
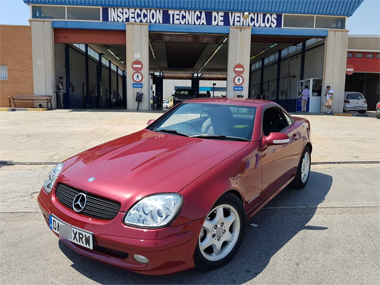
<point>220,232</point>
<point>305,167</point>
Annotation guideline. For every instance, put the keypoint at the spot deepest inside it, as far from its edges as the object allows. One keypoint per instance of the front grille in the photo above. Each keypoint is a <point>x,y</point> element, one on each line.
<point>96,207</point>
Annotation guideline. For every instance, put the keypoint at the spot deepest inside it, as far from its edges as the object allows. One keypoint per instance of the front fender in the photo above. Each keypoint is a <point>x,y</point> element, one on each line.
<point>200,195</point>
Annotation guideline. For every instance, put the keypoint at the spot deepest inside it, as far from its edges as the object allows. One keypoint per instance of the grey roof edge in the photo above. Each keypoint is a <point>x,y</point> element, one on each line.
<point>313,7</point>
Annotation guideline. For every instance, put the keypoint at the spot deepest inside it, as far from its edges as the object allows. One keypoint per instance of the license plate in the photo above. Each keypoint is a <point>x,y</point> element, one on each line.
<point>73,234</point>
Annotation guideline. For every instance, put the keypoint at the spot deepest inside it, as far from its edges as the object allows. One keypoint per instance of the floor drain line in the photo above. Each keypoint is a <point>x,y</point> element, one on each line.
<point>345,162</point>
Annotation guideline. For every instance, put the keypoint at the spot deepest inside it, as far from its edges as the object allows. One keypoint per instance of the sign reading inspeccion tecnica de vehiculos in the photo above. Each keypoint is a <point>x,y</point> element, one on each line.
<point>186,17</point>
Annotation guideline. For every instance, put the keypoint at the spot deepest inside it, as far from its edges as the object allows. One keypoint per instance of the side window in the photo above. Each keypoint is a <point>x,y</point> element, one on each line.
<point>284,120</point>
<point>275,120</point>
<point>270,124</point>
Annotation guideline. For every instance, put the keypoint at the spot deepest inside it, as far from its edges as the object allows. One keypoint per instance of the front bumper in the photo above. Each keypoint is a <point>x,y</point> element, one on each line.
<point>168,250</point>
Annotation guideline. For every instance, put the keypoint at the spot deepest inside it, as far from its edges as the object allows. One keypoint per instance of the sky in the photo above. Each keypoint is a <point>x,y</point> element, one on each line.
<point>365,20</point>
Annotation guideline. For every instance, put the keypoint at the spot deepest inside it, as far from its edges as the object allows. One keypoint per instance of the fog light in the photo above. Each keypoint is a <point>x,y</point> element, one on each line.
<point>140,258</point>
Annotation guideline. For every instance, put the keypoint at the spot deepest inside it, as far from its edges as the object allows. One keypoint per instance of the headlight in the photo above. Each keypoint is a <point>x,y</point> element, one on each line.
<point>154,211</point>
<point>50,180</point>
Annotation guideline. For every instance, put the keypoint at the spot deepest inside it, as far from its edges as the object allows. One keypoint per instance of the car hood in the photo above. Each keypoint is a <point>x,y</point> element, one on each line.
<point>144,163</point>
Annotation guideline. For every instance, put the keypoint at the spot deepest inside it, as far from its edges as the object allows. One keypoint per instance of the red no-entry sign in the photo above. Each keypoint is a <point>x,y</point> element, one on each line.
<point>349,69</point>
<point>137,65</point>
<point>239,69</point>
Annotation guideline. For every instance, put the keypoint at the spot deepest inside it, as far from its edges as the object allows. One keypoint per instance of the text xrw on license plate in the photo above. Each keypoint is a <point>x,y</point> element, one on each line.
<point>73,234</point>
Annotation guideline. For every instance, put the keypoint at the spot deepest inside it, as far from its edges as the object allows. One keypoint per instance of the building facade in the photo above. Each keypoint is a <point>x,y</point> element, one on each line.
<point>107,51</point>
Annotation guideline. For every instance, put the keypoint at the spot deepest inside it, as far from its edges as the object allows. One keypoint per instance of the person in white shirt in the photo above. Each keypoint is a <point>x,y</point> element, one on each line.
<point>329,97</point>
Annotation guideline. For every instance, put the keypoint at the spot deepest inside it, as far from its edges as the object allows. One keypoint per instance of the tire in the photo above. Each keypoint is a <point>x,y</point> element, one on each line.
<point>221,234</point>
<point>362,112</point>
<point>378,114</point>
<point>303,170</point>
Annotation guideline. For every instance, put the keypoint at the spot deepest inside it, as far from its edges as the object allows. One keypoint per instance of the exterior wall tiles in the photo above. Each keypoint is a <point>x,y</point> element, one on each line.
<point>16,54</point>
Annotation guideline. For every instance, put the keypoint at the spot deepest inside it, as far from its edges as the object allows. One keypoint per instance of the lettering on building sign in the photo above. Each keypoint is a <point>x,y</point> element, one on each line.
<point>185,17</point>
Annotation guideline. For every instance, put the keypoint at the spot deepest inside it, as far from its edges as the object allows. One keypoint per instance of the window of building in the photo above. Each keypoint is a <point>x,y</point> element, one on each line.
<point>3,72</point>
<point>105,61</point>
<point>369,55</point>
<point>378,55</point>
<point>349,54</point>
<point>291,21</point>
<point>80,13</point>
<point>48,12</point>
<point>311,41</point>
<point>330,22</point>
<point>359,55</point>
<point>93,54</point>
<point>292,49</point>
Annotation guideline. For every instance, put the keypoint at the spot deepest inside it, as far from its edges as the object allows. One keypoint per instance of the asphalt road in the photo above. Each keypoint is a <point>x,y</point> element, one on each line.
<point>327,233</point>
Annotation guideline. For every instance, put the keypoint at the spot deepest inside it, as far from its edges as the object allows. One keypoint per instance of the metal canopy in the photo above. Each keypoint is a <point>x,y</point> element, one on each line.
<point>314,7</point>
<point>180,56</point>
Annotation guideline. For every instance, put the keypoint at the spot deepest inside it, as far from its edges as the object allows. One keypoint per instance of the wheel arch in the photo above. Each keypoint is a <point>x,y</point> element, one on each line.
<point>310,147</point>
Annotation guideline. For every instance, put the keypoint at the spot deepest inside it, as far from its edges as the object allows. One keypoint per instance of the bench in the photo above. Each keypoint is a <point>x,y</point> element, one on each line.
<point>31,98</point>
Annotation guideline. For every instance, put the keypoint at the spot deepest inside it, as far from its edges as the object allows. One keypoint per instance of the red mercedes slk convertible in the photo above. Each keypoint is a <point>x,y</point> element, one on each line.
<point>178,194</point>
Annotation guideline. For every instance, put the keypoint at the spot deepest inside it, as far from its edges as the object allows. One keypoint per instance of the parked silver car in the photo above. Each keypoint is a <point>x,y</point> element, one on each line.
<point>354,101</point>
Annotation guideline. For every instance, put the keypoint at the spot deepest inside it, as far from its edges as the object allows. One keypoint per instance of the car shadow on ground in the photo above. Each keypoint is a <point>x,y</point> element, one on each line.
<point>275,225</point>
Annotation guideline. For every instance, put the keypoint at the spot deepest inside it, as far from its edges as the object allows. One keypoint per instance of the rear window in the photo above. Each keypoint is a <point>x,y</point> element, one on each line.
<point>356,96</point>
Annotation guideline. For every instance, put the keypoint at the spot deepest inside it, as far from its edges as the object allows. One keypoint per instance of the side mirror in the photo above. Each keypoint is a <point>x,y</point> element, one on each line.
<point>277,139</point>
<point>150,122</point>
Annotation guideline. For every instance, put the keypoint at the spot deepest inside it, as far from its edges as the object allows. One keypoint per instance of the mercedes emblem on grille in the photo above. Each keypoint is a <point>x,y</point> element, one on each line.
<point>79,202</point>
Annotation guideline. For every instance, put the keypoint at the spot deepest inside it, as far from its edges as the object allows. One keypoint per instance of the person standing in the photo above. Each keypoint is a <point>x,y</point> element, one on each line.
<point>305,97</point>
<point>329,97</point>
<point>60,92</point>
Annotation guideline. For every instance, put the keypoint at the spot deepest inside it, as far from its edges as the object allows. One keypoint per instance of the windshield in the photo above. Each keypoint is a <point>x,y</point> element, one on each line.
<point>355,96</point>
<point>210,121</point>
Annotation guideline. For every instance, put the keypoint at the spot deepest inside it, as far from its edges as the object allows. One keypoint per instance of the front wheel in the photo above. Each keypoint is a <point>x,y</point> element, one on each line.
<point>221,233</point>
<point>303,170</point>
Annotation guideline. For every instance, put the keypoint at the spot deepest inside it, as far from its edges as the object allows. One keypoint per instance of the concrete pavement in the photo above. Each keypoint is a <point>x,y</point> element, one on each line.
<point>346,150</point>
<point>326,233</point>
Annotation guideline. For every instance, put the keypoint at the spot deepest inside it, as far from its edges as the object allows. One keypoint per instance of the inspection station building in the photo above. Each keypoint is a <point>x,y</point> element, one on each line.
<point>105,52</point>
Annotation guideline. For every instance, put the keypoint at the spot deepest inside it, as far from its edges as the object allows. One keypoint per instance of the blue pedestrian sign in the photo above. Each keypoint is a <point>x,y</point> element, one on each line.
<point>238,88</point>
<point>137,85</point>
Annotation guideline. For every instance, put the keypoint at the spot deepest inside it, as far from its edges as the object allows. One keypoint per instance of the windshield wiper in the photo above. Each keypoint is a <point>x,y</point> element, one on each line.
<point>220,137</point>
<point>171,132</point>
